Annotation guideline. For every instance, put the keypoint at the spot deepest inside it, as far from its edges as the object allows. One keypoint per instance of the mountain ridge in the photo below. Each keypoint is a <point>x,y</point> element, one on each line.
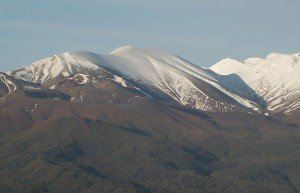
<point>169,75</point>
<point>153,69</point>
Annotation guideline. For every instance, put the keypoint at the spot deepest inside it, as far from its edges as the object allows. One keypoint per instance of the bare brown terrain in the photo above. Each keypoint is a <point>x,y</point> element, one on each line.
<point>115,139</point>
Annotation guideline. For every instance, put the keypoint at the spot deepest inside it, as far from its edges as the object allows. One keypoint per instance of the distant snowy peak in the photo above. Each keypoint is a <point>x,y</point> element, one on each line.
<point>276,78</point>
<point>229,66</point>
<point>273,62</point>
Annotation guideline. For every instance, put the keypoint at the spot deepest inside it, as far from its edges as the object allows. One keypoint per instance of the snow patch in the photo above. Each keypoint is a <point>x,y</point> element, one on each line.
<point>29,87</point>
<point>120,80</point>
<point>82,78</point>
<point>52,87</point>
<point>9,84</point>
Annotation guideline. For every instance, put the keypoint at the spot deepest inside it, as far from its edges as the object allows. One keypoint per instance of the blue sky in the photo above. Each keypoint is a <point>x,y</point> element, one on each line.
<point>201,31</point>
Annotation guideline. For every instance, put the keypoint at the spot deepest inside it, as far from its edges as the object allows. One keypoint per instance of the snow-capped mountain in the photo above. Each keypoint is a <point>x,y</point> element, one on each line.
<point>276,79</point>
<point>230,85</point>
<point>150,71</point>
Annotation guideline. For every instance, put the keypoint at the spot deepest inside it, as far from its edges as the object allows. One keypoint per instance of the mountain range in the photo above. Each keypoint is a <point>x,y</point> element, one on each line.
<point>143,120</point>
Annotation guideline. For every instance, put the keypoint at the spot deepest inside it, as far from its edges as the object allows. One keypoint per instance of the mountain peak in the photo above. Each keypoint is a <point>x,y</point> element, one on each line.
<point>275,78</point>
<point>229,66</point>
<point>63,64</point>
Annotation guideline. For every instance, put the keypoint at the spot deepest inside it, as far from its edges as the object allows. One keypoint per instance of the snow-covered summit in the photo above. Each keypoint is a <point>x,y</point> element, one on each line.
<point>59,65</point>
<point>153,69</point>
<point>229,66</point>
<point>140,61</point>
<point>170,74</point>
<point>275,78</point>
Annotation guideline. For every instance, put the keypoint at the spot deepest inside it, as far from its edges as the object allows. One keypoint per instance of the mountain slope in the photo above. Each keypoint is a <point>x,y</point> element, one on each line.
<point>6,85</point>
<point>142,146</point>
<point>154,72</point>
<point>9,85</point>
<point>275,78</point>
<point>132,121</point>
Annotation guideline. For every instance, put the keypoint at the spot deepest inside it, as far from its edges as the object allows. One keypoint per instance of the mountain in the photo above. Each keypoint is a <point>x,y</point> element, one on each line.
<point>140,121</point>
<point>275,78</point>
<point>263,85</point>
<point>154,72</point>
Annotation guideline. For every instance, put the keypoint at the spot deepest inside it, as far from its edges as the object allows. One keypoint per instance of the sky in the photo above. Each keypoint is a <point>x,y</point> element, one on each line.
<point>201,31</point>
